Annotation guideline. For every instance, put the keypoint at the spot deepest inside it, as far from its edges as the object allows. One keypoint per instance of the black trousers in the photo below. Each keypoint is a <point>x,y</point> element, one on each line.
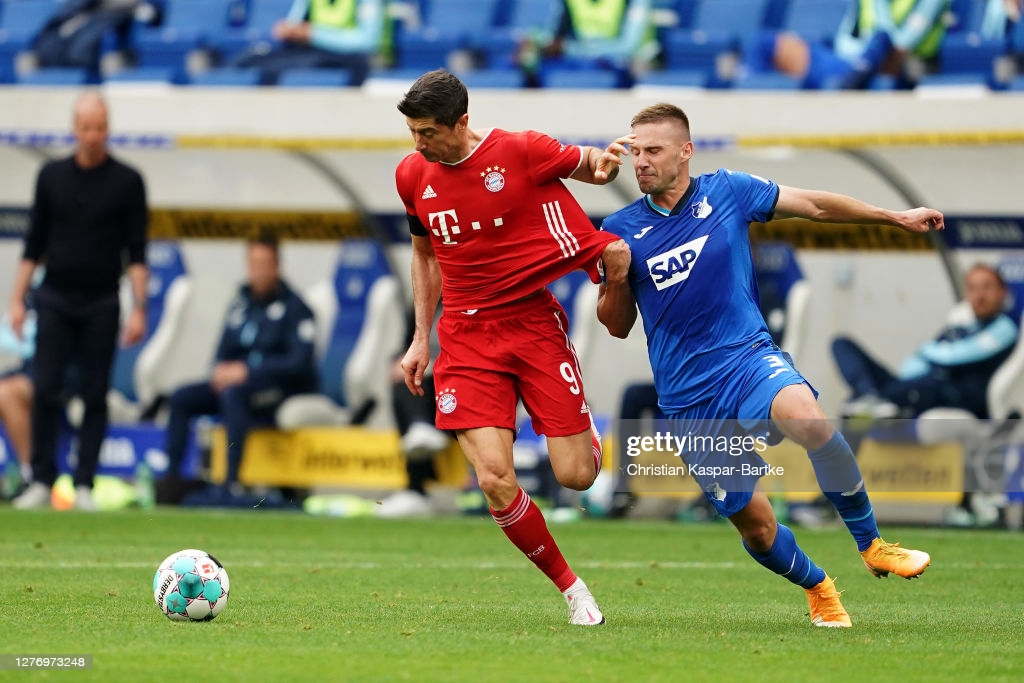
<point>81,328</point>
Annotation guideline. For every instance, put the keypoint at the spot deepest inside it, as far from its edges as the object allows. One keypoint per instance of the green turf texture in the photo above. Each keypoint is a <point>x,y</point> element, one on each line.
<point>451,600</point>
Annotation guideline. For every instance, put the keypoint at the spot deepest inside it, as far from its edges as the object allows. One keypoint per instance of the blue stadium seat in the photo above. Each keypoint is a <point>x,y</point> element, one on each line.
<point>55,76</point>
<point>228,77</point>
<point>166,265</point>
<point>315,78</point>
<point>493,78</point>
<point>144,74</point>
<point>675,78</point>
<point>767,81</point>
<point>20,21</point>
<point>1017,39</point>
<point>260,17</point>
<point>815,20</point>
<point>500,44</point>
<point>576,79</point>
<point>359,317</point>
<point>958,79</point>
<point>719,26</point>
<point>784,294</point>
<point>968,53</point>
<point>448,25</point>
<point>565,290</point>
<point>186,27</point>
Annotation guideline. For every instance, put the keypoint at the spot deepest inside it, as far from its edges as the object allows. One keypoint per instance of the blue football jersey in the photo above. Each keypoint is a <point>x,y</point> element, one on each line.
<point>692,274</point>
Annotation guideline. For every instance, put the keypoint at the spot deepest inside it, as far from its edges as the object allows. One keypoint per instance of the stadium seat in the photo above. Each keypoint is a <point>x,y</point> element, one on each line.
<point>315,78</point>
<point>360,318</point>
<point>493,78</point>
<point>20,22</point>
<point>953,80</point>
<point>566,290</point>
<point>132,376</point>
<point>674,78</point>
<point>144,74</point>
<point>526,17</point>
<point>815,20</point>
<point>186,28</point>
<point>767,81</point>
<point>590,79</point>
<point>719,26</point>
<point>608,364</point>
<point>1005,389</point>
<point>448,26</point>
<point>260,17</point>
<point>785,294</point>
<point>55,76</point>
<point>227,77</point>
<point>968,53</point>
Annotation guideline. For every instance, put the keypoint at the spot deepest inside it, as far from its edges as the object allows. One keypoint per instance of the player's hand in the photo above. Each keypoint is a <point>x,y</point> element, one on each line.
<point>616,258</point>
<point>611,158</point>
<point>135,327</point>
<point>922,220</point>
<point>16,311</point>
<point>414,365</point>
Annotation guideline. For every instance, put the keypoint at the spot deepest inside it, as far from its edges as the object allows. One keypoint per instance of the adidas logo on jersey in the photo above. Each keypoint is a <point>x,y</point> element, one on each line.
<point>428,193</point>
<point>672,267</point>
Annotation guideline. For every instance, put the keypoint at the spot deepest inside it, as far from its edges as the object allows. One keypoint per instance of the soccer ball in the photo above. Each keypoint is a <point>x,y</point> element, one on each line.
<point>191,585</point>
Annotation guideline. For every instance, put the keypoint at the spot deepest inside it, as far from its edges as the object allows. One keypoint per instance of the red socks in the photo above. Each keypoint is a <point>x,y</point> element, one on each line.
<point>524,525</point>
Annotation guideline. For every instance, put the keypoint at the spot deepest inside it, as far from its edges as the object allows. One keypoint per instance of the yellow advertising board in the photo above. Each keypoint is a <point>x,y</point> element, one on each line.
<point>328,456</point>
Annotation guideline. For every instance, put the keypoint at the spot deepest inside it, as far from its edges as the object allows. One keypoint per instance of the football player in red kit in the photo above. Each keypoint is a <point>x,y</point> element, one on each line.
<point>491,225</point>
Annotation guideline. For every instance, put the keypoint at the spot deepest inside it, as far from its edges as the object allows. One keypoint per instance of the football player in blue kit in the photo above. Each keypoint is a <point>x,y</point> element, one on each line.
<point>716,369</point>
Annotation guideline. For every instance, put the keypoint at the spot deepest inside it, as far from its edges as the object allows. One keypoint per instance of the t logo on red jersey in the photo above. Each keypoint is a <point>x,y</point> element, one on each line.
<point>444,230</point>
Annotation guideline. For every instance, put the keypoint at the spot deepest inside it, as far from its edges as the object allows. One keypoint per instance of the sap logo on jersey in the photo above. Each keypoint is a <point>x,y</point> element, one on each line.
<point>672,267</point>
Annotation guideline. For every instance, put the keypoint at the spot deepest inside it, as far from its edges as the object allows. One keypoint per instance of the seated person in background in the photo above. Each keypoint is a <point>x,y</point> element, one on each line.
<point>265,355</point>
<point>874,37</point>
<point>951,371</point>
<point>16,391</point>
<point>617,34</point>
<point>323,34</point>
<point>421,440</point>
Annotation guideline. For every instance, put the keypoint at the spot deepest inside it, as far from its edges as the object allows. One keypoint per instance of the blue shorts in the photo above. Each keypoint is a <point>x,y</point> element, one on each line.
<point>734,427</point>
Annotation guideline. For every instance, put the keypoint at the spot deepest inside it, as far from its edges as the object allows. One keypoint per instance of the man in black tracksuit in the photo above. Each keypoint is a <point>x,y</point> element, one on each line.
<point>266,354</point>
<point>88,220</point>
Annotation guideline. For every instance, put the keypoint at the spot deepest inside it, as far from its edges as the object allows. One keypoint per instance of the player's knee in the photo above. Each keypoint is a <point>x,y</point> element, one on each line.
<point>813,434</point>
<point>497,483</point>
<point>578,478</point>
<point>759,537</point>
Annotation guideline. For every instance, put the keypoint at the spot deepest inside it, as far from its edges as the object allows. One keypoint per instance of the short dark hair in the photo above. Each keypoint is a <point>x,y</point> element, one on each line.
<point>266,238</point>
<point>660,112</point>
<point>438,95</point>
<point>990,268</point>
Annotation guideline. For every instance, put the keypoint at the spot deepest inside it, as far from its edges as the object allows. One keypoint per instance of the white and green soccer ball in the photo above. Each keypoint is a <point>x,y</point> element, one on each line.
<point>191,585</point>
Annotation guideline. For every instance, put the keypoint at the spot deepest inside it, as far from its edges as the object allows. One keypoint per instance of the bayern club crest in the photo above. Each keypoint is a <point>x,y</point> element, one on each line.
<point>446,402</point>
<point>494,179</point>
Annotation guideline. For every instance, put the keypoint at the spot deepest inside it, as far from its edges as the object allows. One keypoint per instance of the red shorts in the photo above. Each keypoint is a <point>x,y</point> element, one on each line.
<point>493,357</point>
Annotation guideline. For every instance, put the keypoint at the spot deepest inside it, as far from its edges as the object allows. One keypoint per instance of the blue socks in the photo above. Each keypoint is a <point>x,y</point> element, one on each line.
<point>787,560</point>
<point>840,480</point>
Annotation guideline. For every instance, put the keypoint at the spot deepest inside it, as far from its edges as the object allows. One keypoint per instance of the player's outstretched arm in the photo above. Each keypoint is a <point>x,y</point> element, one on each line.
<point>426,292</point>
<point>600,166</point>
<point>616,306</point>
<point>831,207</point>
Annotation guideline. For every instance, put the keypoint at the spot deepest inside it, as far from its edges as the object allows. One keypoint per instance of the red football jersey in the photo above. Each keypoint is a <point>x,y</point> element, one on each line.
<point>502,223</point>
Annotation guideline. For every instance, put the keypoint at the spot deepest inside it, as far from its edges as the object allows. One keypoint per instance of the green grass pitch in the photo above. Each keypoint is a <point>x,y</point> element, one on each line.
<point>451,600</point>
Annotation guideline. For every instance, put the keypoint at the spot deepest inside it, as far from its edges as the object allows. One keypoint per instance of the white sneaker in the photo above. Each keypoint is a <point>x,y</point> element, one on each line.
<point>37,495</point>
<point>423,441</point>
<point>83,499</point>
<point>404,504</point>
<point>583,610</point>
